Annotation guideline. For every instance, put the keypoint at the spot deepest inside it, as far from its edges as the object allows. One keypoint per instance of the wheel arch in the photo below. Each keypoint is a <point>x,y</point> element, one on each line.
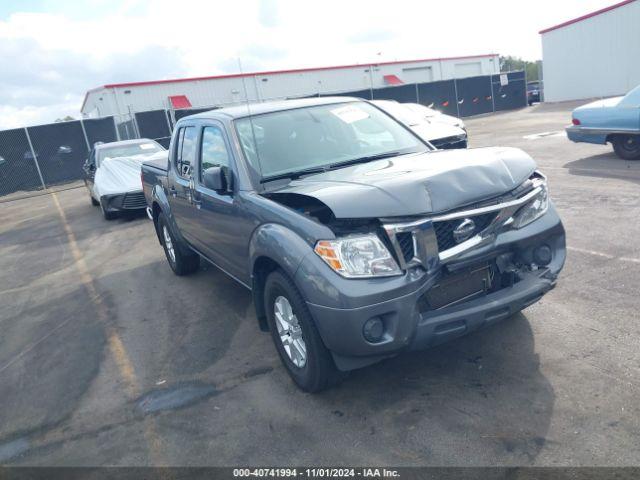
<point>272,247</point>
<point>160,204</point>
<point>155,213</point>
<point>262,267</point>
<point>621,144</point>
<point>612,136</point>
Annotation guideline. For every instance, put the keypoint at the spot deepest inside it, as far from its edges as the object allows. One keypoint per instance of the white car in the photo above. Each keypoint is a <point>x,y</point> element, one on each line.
<point>113,174</point>
<point>435,115</point>
<point>441,135</point>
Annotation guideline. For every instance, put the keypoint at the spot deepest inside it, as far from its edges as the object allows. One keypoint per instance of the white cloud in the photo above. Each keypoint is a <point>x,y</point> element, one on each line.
<point>60,53</point>
<point>16,117</point>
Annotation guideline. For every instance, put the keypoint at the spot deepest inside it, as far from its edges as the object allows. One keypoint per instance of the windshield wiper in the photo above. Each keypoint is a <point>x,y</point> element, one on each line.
<point>309,171</point>
<point>368,158</point>
<point>295,174</point>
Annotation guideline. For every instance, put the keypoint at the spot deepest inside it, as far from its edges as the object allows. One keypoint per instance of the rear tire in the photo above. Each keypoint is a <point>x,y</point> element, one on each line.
<point>94,202</point>
<point>107,215</point>
<point>297,340</point>
<point>627,147</point>
<point>180,262</point>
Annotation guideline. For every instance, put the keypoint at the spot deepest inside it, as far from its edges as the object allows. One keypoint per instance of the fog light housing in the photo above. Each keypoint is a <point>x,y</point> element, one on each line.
<point>542,255</point>
<point>373,330</point>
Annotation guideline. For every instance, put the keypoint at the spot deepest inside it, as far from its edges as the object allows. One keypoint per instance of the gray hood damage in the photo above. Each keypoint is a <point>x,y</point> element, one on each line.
<point>417,184</point>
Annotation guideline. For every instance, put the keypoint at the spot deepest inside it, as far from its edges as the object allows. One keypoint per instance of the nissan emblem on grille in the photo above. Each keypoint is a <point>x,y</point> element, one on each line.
<point>464,230</point>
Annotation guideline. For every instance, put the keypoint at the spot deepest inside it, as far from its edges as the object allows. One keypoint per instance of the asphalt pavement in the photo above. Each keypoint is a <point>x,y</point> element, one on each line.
<point>107,358</point>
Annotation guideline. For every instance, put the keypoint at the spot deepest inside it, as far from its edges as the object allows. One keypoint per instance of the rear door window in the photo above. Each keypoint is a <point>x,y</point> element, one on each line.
<point>186,151</point>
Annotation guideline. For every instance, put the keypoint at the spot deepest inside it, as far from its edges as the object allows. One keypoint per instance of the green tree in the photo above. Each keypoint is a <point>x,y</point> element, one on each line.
<point>510,63</point>
<point>68,118</point>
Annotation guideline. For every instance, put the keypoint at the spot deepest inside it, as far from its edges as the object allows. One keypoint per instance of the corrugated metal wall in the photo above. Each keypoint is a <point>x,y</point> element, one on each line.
<point>225,91</point>
<point>596,57</point>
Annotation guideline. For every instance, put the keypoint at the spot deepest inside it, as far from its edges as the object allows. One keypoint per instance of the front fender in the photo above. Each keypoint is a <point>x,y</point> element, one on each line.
<point>280,244</point>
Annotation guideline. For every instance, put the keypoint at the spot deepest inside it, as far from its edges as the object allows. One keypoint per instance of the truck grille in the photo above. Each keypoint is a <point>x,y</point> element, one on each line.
<point>444,230</point>
<point>405,239</point>
<point>430,240</point>
<point>134,200</point>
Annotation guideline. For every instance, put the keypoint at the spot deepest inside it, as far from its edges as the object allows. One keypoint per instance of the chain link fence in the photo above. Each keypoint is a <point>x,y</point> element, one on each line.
<point>461,97</point>
<point>35,159</point>
<point>19,171</point>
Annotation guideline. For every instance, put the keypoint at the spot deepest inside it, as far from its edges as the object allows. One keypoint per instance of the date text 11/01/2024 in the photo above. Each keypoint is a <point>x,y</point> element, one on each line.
<point>316,472</point>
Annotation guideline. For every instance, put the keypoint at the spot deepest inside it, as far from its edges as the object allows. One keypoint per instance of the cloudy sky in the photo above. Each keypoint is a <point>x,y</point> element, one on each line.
<point>52,51</point>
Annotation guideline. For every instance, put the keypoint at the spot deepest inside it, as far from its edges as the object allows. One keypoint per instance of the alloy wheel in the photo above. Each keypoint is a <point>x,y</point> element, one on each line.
<point>290,332</point>
<point>168,244</point>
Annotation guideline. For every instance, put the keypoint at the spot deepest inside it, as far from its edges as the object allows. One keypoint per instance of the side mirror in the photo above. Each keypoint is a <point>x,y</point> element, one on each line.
<point>217,178</point>
<point>88,167</point>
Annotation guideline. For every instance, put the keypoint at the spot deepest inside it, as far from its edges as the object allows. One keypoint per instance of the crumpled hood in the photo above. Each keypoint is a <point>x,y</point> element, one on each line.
<point>417,184</point>
<point>607,102</point>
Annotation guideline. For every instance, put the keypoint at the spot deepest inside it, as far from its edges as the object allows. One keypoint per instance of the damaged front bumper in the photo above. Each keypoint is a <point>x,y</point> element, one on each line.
<point>124,201</point>
<point>410,317</point>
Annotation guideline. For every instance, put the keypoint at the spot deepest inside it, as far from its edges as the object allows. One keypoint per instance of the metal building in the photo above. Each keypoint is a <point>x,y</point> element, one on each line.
<point>595,55</point>
<point>127,98</point>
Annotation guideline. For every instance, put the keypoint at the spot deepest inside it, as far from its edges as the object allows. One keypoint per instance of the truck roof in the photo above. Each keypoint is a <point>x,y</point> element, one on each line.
<point>244,110</point>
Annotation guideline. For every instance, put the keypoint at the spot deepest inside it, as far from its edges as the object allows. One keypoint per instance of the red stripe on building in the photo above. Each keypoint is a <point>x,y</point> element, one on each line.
<point>587,16</point>
<point>297,70</point>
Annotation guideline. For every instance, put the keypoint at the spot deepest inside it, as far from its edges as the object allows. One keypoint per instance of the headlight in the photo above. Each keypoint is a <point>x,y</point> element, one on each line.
<point>533,210</point>
<point>358,256</point>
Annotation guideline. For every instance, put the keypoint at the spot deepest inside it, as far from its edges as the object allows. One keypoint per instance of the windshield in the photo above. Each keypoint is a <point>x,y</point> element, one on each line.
<point>128,150</point>
<point>312,137</point>
<point>631,99</point>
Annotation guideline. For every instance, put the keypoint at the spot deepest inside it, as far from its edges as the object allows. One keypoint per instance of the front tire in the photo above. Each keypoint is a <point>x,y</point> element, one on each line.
<point>94,202</point>
<point>296,338</point>
<point>627,147</point>
<point>180,262</point>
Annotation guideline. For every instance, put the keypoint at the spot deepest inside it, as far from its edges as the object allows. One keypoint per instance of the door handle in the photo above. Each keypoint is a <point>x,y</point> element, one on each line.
<point>172,191</point>
<point>195,198</point>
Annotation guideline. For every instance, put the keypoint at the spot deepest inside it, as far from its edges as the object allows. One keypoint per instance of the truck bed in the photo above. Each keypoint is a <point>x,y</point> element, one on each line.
<point>154,172</point>
<point>161,164</point>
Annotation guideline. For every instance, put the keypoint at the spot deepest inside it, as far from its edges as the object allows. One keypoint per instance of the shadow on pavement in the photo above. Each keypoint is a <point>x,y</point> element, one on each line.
<point>605,165</point>
<point>50,353</point>
<point>486,387</point>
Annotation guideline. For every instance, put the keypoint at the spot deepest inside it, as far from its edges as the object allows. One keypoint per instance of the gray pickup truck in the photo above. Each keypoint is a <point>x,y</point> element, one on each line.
<point>357,239</point>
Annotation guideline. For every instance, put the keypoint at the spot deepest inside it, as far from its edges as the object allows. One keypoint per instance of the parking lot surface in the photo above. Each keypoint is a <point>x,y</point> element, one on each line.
<point>107,358</point>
